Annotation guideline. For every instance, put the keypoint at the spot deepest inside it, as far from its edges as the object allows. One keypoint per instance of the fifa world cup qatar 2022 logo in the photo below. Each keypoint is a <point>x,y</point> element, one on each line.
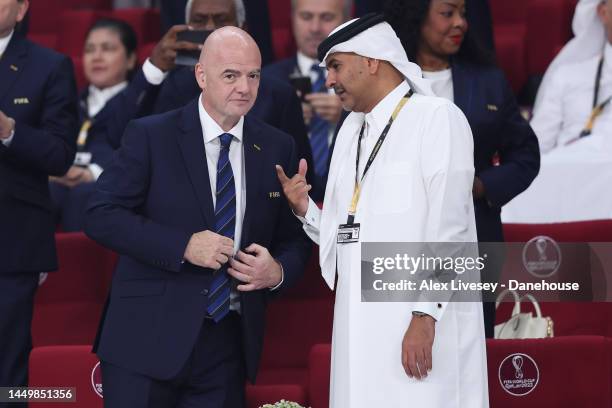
<point>518,374</point>
<point>542,256</point>
<point>96,380</point>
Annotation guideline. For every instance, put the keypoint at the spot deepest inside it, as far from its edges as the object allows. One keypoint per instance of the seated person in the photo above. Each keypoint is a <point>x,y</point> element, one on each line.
<point>312,22</point>
<point>573,102</point>
<point>108,58</point>
<point>161,86</point>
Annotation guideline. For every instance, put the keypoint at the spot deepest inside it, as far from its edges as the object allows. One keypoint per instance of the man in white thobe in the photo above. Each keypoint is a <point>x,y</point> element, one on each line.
<point>417,189</point>
<point>572,87</point>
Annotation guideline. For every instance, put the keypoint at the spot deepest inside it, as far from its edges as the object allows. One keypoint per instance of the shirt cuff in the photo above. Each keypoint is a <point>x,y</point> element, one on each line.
<point>153,75</point>
<point>282,277</point>
<point>312,215</point>
<point>96,170</point>
<point>7,142</point>
<point>435,310</point>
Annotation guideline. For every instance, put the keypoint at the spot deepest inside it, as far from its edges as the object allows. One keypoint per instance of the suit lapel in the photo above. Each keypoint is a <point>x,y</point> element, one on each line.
<point>253,160</point>
<point>462,87</point>
<point>12,64</point>
<point>191,142</point>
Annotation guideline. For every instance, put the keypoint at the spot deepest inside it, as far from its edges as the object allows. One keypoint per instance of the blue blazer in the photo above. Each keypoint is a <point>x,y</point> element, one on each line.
<point>485,97</point>
<point>37,89</point>
<point>98,142</point>
<point>149,201</point>
<point>276,104</point>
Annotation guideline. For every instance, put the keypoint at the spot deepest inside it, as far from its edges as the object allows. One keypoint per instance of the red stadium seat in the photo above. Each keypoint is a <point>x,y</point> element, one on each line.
<point>296,320</point>
<point>570,318</point>
<point>79,73</point>
<point>44,15</point>
<point>280,26</point>
<point>145,51</point>
<point>72,30</point>
<point>145,22</point>
<point>69,303</point>
<point>258,395</point>
<point>319,366</point>
<point>66,366</point>
<point>567,372</point>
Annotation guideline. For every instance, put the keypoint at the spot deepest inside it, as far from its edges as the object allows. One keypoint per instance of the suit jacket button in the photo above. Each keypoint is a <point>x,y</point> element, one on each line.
<point>204,292</point>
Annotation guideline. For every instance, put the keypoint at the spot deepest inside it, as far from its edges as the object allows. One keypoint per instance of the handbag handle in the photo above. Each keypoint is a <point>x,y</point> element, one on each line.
<point>534,302</point>
<point>517,301</point>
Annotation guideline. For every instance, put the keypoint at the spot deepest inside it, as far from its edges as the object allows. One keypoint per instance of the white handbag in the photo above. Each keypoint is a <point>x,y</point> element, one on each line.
<point>523,325</point>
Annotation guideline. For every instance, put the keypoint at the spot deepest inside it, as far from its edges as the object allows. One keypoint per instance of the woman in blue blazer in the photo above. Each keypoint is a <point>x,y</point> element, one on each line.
<point>109,56</point>
<point>435,35</point>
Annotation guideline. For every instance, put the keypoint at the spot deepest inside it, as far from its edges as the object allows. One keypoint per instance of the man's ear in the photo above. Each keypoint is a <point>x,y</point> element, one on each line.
<point>200,76</point>
<point>373,65</point>
<point>23,9</point>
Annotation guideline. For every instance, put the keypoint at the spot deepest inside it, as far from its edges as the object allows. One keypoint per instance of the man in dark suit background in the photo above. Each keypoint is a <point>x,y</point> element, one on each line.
<point>38,139</point>
<point>167,86</point>
<point>187,190</point>
<point>312,21</point>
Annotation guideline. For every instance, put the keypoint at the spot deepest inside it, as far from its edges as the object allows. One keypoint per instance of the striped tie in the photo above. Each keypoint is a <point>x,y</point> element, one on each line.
<point>225,223</point>
<point>319,129</point>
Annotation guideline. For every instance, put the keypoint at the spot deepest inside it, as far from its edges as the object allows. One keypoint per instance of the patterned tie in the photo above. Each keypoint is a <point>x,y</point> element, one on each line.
<point>319,128</point>
<point>225,223</point>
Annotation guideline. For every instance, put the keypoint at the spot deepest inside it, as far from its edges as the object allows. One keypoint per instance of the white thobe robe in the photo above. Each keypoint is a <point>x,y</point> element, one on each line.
<point>567,102</point>
<point>419,189</point>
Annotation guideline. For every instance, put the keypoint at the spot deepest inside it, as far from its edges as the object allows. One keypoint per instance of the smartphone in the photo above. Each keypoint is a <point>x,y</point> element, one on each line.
<point>190,58</point>
<point>302,85</point>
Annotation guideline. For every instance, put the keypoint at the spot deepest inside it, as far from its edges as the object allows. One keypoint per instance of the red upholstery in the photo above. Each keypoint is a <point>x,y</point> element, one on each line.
<point>46,40</point>
<point>69,303</point>
<point>45,14</point>
<point>72,30</point>
<point>65,366</point>
<point>544,40</point>
<point>570,318</point>
<point>319,372</point>
<point>296,320</point>
<point>145,51</point>
<point>573,372</point>
<point>145,22</point>
<point>72,366</point>
<point>79,73</point>
<point>280,24</point>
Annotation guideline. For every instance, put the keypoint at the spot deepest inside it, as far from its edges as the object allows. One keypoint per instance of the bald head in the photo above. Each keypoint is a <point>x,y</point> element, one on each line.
<point>228,74</point>
<point>229,42</point>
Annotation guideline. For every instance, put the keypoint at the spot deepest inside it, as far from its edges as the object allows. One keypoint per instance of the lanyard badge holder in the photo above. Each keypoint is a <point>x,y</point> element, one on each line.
<point>349,232</point>
<point>597,108</point>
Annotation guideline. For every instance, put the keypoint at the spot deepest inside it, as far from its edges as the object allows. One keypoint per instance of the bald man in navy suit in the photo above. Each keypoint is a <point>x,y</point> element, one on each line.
<point>192,203</point>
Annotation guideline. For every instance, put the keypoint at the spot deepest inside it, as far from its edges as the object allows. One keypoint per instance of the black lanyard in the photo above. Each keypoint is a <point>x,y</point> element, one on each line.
<point>379,142</point>
<point>597,109</point>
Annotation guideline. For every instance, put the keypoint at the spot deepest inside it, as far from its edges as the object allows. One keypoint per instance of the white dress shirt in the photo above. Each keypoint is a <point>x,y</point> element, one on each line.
<point>567,103</point>
<point>441,83</point>
<point>3,44</point>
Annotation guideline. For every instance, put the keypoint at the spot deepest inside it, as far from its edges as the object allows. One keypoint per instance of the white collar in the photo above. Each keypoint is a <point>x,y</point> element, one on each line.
<point>107,93</point>
<point>608,55</point>
<point>379,116</point>
<point>305,63</point>
<point>4,42</point>
<point>212,130</point>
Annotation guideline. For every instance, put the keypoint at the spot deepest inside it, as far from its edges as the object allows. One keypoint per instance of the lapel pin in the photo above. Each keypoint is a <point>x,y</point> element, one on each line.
<point>492,107</point>
<point>257,147</point>
<point>14,68</point>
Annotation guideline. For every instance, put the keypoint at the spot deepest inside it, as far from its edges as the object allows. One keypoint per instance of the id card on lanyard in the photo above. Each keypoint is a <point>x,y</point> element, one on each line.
<point>349,232</point>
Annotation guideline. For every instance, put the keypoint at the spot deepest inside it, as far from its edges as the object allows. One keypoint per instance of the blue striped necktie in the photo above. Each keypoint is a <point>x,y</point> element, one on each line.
<point>225,224</point>
<point>319,128</point>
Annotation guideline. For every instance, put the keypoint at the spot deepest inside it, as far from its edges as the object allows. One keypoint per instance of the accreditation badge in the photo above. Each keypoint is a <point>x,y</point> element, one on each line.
<point>348,233</point>
<point>82,159</point>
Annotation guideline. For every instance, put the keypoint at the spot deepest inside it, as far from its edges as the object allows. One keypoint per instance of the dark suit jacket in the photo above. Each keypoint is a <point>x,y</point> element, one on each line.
<point>148,203</point>
<point>282,69</point>
<point>98,143</point>
<point>38,90</point>
<point>484,96</point>
<point>276,104</point>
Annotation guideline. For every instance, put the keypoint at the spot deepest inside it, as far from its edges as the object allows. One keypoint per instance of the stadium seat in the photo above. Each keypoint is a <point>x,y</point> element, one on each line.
<point>68,304</point>
<point>45,15</point>
<point>66,366</point>
<point>319,365</point>
<point>145,22</point>
<point>296,320</point>
<point>280,27</point>
<point>564,372</point>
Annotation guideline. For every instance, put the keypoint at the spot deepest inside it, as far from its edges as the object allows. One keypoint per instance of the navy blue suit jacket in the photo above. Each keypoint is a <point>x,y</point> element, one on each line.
<point>485,97</point>
<point>282,69</point>
<point>276,104</point>
<point>38,90</point>
<point>149,201</point>
<point>98,142</point>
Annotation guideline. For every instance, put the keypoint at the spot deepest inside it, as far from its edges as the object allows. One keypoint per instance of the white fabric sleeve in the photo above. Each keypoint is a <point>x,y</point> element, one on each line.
<point>282,277</point>
<point>153,75</point>
<point>548,118</point>
<point>96,170</point>
<point>311,221</point>
<point>7,142</point>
